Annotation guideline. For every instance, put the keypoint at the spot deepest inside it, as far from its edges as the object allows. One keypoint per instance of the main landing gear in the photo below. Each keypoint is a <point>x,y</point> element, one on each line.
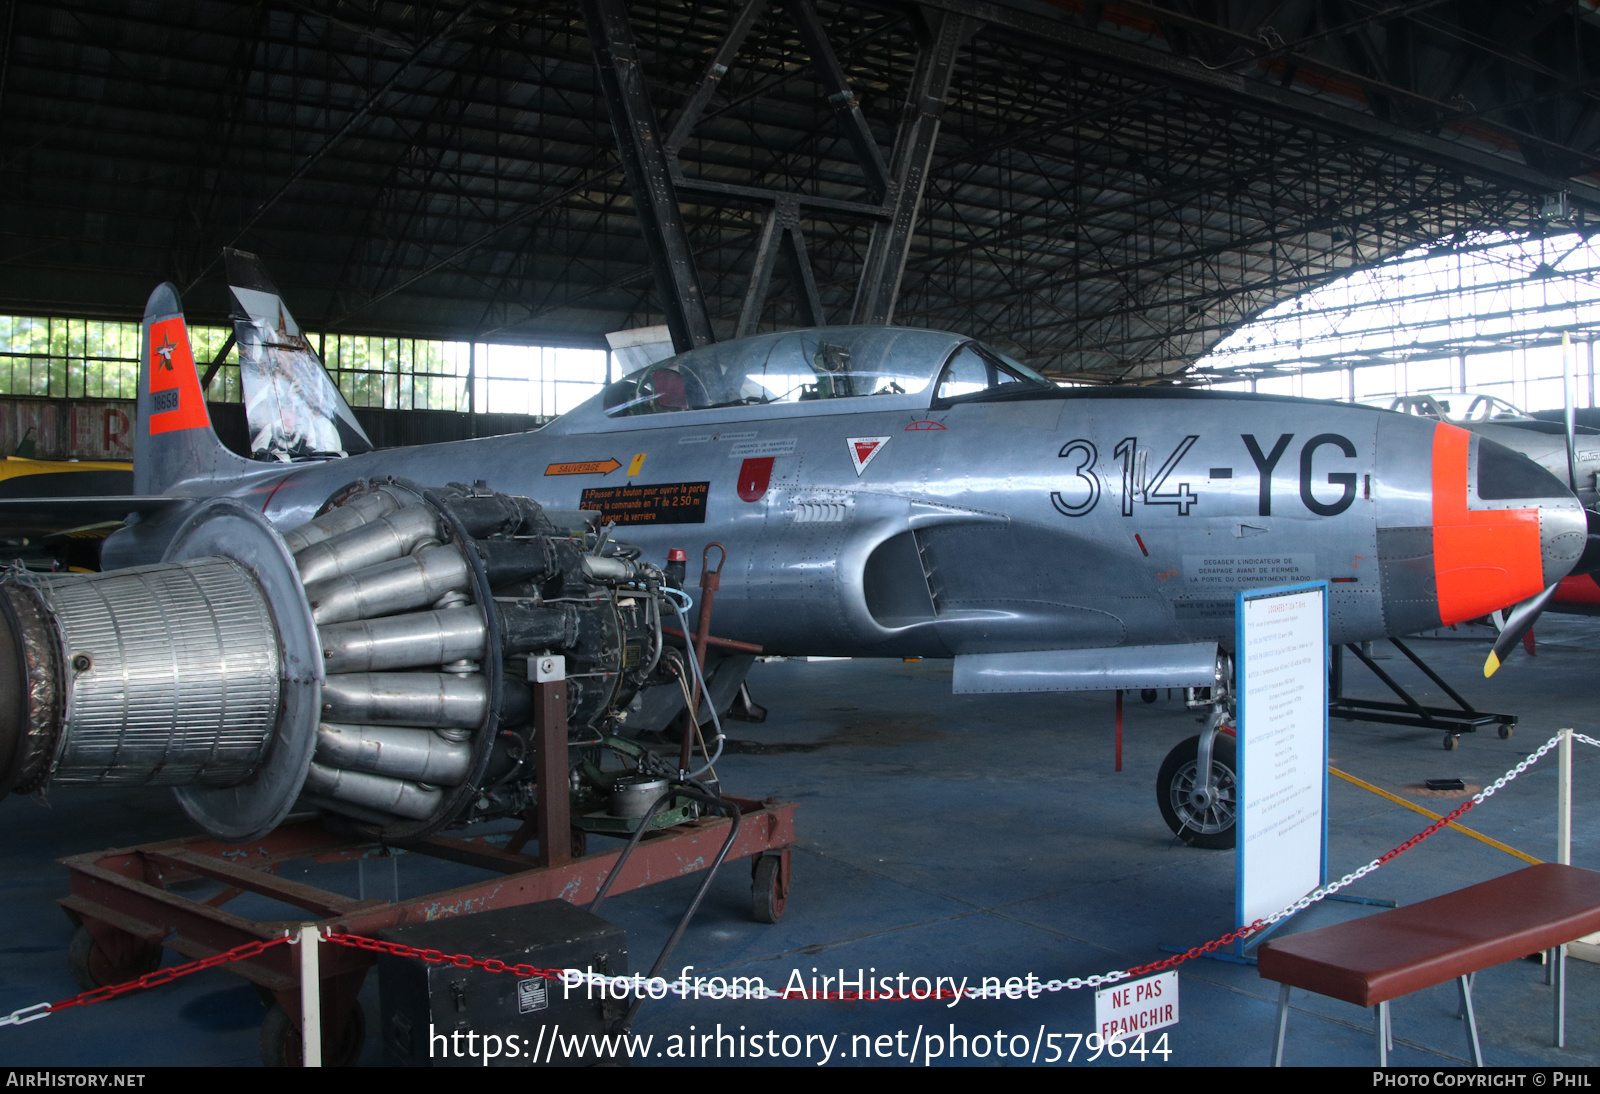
<point>1197,788</point>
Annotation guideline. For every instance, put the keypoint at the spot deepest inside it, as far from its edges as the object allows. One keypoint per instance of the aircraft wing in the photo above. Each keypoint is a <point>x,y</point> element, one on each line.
<point>36,518</point>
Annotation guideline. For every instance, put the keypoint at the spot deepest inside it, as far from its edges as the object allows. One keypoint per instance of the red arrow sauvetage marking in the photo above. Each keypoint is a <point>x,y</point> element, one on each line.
<point>590,467</point>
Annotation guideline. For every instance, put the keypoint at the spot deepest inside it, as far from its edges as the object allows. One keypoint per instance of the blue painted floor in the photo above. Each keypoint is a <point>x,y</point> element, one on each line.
<point>946,836</point>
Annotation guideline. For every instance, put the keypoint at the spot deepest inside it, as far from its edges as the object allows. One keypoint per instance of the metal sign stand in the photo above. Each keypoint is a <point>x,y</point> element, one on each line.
<point>1282,658</point>
<point>1282,674</point>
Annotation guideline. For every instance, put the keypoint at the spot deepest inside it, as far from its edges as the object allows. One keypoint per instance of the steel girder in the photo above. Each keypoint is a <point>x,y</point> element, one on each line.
<point>1108,191</point>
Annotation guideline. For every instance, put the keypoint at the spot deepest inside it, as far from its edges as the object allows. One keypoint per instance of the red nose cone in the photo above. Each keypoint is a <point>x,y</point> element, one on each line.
<point>677,554</point>
<point>1483,559</point>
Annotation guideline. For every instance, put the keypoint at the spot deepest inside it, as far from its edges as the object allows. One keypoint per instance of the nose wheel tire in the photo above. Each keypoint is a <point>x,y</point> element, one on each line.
<point>1197,821</point>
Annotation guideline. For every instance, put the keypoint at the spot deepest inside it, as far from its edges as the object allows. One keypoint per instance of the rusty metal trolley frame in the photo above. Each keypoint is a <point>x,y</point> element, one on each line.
<point>125,904</point>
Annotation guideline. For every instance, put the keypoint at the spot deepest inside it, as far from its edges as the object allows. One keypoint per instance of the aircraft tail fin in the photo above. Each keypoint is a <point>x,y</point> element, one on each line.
<point>293,408</point>
<point>173,440</point>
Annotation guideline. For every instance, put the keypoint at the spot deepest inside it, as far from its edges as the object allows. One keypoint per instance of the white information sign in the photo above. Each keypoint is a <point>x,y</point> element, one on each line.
<point>1282,663</point>
<point>1139,1006</point>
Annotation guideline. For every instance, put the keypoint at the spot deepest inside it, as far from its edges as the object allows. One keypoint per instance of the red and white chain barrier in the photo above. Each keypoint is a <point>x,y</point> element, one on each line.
<point>627,986</point>
<point>148,980</point>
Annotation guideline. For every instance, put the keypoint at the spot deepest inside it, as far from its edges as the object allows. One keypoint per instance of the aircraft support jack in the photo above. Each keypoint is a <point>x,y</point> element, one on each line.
<point>1409,712</point>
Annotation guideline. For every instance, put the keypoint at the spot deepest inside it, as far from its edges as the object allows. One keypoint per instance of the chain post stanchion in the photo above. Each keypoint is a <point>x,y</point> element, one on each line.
<point>310,997</point>
<point>1564,801</point>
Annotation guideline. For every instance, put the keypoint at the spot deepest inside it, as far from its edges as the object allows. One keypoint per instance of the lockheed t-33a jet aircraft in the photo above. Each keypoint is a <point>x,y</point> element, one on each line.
<point>353,630</point>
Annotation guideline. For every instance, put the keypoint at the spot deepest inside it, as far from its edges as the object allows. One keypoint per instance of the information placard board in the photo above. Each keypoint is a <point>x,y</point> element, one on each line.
<point>1282,692</point>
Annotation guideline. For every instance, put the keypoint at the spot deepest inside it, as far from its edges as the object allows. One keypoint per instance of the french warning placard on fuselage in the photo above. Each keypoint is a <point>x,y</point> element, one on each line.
<point>657,503</point>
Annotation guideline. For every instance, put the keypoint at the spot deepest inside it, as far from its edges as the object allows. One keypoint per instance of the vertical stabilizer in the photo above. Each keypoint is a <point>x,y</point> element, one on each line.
<point>293,408</point>
<point>173,440</point>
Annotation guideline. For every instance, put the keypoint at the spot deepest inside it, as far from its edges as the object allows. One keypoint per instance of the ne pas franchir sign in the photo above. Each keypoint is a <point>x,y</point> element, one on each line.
<point>1139,1006</point>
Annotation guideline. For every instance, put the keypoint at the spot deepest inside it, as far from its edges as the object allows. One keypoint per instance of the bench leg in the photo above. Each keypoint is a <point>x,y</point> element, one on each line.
<point>1558,975</point>
<point>1380,1014</point>
<point>1461,1011</point>
<point>1474,1050</point>
<point>1283,1024</point>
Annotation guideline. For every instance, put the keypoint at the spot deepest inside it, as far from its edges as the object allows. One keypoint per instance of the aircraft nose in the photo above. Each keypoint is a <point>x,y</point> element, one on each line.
<point>1504,528</point>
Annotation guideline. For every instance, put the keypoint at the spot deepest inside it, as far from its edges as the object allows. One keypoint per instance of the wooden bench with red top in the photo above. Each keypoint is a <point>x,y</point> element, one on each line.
<point>1381,957</point>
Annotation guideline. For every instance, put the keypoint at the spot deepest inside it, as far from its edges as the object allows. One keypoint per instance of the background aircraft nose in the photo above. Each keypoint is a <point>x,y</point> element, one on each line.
<point>1504,528</point>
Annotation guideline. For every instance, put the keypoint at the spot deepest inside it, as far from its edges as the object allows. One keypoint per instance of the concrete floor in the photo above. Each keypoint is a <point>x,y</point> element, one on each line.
<point>945,835</point>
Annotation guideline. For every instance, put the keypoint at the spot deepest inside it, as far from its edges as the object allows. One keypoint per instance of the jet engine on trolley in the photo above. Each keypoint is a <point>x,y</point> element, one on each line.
<point>375,662</point>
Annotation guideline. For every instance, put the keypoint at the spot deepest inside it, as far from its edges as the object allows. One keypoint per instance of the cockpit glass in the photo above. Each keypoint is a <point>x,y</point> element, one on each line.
<point>975,370</point>
<point>788,367</point>
<point>1460,406</point>
<point>1017,368</point>
<point>1487,408</point>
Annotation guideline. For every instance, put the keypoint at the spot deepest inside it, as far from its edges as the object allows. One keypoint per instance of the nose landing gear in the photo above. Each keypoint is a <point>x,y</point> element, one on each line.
<point>1197,788</point>
<point>1200,812</point>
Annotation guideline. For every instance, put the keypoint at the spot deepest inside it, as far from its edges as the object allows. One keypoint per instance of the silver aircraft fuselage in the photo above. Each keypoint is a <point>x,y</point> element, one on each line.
<point>903,525</point>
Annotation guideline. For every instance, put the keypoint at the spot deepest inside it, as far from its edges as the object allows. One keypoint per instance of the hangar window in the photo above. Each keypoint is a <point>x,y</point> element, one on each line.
<point>55,357</point>
<point>66,358</point>
<point>421,374</point>
<point>1464,320</point>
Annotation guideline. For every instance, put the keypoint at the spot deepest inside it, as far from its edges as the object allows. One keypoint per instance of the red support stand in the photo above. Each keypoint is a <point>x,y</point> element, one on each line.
<point>1119,729</point>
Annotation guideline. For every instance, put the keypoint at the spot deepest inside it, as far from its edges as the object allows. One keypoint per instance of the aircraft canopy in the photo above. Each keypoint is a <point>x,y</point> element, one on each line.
<point>798,366</point>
